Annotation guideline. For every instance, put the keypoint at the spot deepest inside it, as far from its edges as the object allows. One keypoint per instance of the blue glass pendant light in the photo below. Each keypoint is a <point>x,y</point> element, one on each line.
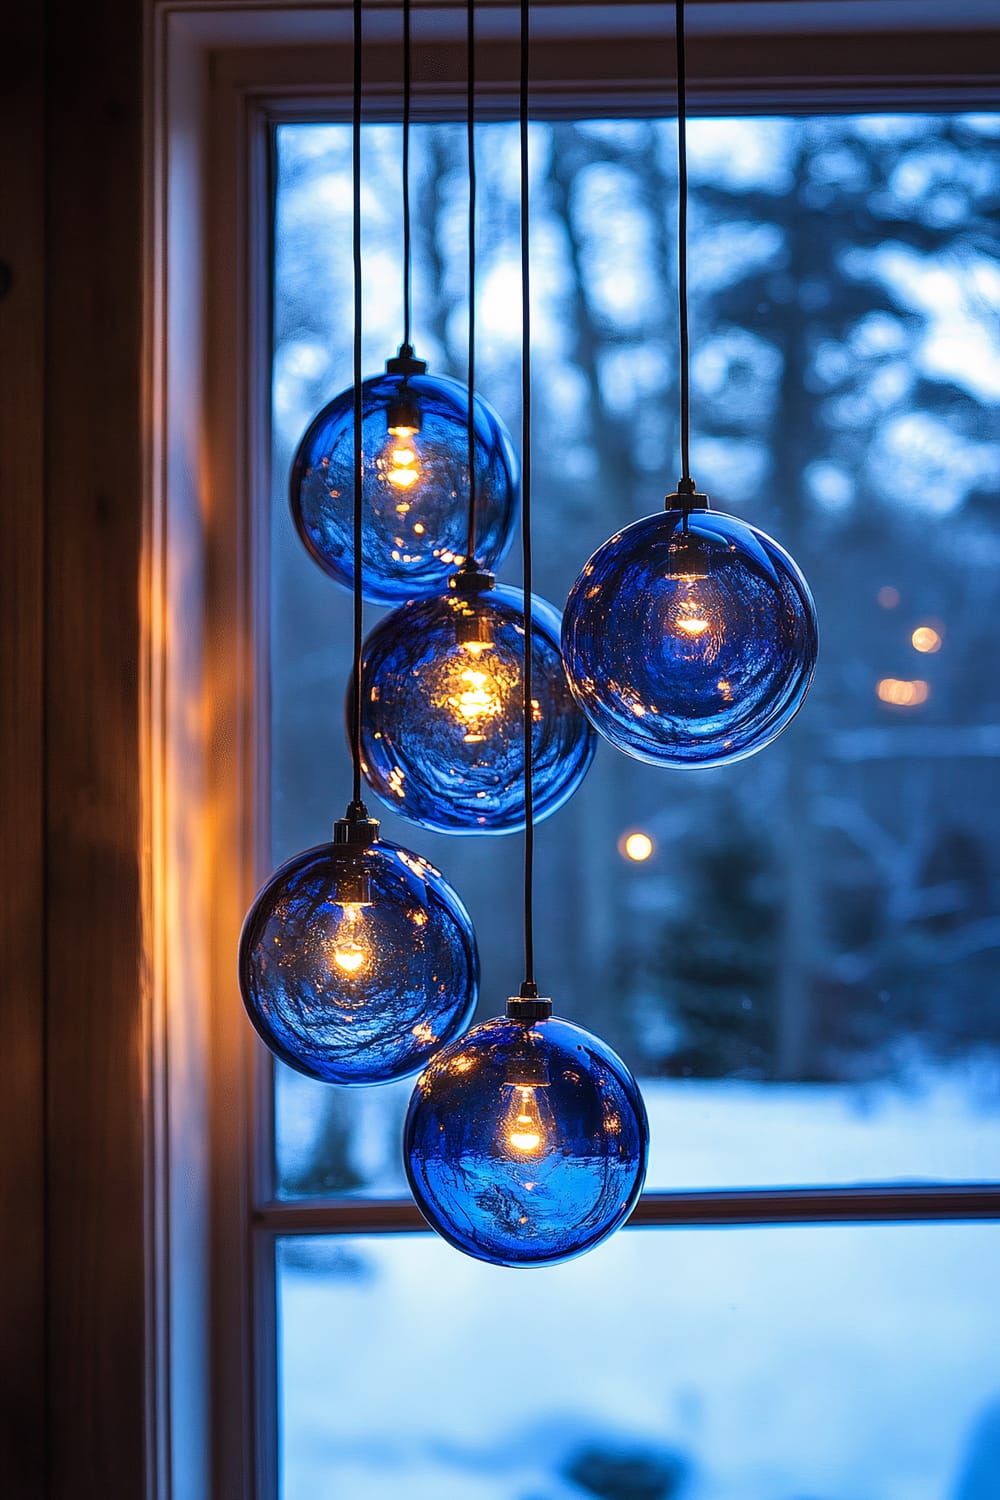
<point>442,704</point>
<point>690,637</point>
<point>414,483</point>
<point>357,960</point>
<point>526,1141</point>
<point>416,472</point>
<point>442,694</point>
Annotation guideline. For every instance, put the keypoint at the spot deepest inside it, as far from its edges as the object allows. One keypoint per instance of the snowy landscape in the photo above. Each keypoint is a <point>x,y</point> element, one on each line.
<point>838,1363</point>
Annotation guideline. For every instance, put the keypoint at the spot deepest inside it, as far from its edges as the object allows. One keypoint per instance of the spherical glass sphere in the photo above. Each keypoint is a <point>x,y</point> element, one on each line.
<point>442,713</point>
<point>690,644</point>
<point>526,1142</point>
<point>357,964</point>
<point>415,487</point>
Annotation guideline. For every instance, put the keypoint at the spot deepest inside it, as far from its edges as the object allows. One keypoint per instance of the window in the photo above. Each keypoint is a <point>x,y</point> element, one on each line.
<point>804,971</point>
<point>317,1284</point>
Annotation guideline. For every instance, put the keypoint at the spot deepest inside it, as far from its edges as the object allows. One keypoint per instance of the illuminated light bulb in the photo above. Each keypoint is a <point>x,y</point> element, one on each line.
<point>357,960</point>
<point>526,1141</point>
<point>476,703</point>
<point>690,638</point>
<point>402,470</point>
<point>926,640</point>
<point>415,465</point>
<point>636,846</point>
<point>350,950</point>
<point>523,1127</point>
<point>691,617</point>
<point>526,1125</point>
<point>442,710</point>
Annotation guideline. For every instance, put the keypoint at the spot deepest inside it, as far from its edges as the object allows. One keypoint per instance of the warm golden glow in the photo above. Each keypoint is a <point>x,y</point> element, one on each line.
<point>637,846</point>
<point>903,694</point>
<point>349,956</point>
<point>403,431</point>
<point>351,952</point>
<point>926,640</point>
<point>523,1123</point>
<point>475,702</point>
<point>400,463</point>
<point>695,616</point>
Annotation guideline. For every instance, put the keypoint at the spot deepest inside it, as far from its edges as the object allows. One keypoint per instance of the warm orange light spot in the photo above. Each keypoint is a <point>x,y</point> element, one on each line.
<point>637,846</point>
<point>692,625</point>
<point>903,694</point>
<point>349,956</point>
<point>525,1133</point>
<point>403,478</point>
<point>926,640</point>
<point>477,701</point>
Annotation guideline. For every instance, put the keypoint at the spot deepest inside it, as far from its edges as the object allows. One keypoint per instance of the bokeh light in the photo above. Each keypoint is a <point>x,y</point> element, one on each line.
<point>902,693</point>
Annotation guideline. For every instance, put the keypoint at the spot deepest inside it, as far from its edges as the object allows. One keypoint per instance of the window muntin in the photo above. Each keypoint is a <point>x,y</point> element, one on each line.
<point>804,973</point>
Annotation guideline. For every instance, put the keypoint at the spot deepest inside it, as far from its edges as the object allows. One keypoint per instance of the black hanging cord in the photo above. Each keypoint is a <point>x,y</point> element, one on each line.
<point>357,804</point>
<point>470,545</point>
<point>407,257</point>
<point>686,485</point>
<point>528,988</point>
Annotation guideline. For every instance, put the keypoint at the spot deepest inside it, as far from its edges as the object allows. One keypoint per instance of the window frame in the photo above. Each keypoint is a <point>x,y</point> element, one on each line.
<point>220,77</point>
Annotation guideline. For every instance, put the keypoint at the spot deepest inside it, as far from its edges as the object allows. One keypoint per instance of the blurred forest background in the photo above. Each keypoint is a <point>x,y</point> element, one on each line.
<point>826,912</point>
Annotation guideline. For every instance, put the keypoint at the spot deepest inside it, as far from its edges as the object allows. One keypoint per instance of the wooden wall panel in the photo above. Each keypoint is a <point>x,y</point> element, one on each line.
<point>93,538</point>
<point>22,1213</point>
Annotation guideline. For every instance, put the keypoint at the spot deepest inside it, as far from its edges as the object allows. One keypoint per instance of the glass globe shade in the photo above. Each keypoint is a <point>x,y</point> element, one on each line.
<point>526,1142</point>
<point>690,644</point>
<point>442,713</point>
<point>415,486</point>
<point>356,964</point>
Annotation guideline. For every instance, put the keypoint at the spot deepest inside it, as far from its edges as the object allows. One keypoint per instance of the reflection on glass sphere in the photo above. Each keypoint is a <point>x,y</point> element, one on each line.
<point>442,713</point>
<point>415,488</point>
<point>690,644</point>
<point>356,964</point>
<point>526,1142</point>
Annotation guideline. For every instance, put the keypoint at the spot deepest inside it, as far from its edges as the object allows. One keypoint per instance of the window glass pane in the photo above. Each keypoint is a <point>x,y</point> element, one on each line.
<point>805,971</point>
<point>761,1364</point>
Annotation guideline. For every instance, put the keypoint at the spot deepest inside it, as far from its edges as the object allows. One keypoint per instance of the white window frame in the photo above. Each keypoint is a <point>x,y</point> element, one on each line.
<point>219,76</point>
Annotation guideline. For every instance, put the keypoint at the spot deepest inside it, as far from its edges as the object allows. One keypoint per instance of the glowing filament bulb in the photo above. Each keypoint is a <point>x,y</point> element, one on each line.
<point>694,616</point>
<point>351,952</point>
<point>691,619</point>
<point>402,464</point>
<point>475,701</point>
<point>527,1127</point>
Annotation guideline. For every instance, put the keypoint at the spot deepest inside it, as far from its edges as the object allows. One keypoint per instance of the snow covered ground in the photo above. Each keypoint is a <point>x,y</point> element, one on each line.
<point>838,1363</point>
